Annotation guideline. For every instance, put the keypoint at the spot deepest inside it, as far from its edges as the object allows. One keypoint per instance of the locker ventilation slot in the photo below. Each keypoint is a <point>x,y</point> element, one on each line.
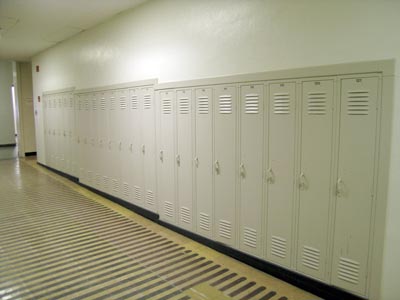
<point>316,103</point>
<point>358,102</point>
<point>202,105</point>
<point>281,103</point>
<point>225,229</point>
<point>225,104</point>
<point>184,106</point>
<point>251,103</point>
<point>103,103</point>
<point>150,198</point>
<point>105,182</point>
<point>94,104</point>
<point>137,193</point>
<point>278,246</point>
<point>250,237</point>
<point>204,221</point>
<point>86,104</point>
<point>349,270</point>
<point>134,102</point>
<point>123,103</point>
<point>166,106</point>
<point>125,189</point>
<point>168,209</point>
<point>185,215</point>
<point>71,103</point>
<point>112,103</point>
<point>98,180</point>
<point>147,101</point>
<point>311,257</point>
<point>115,186</point>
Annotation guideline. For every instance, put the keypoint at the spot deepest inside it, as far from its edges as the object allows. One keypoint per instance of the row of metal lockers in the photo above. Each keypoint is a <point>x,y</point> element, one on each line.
<point>281,170</point>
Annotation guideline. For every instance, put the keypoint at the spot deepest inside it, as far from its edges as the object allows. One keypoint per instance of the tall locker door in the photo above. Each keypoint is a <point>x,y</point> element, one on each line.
<point>184,158</point>
<point>91,140</point>
<point>45,127</point>
<point>251,167</point>
<point>96,180</point>
<point>61,135</point>
<point>57,132</point>
<point>103,140</point>
<point>166,161</point>
<point>87,141</point>
<point>113,146</point>
<point>355,187</point>
<point>137,155</point>
<point>225,164</point>
<point>149,148</point>
<point>124,143</point>
<point>314,179</point>
<point>280,171</point>
<point>204,162</point>
<point>81,133</point>
<point>72,140</point>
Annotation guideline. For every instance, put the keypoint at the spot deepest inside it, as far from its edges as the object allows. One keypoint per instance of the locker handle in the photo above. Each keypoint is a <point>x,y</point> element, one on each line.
<point>131,147</point>
<point>78,140</point>
<point>340,188</point>
<point>120,146</point>
<point>217,167</point>
<point>196,161</point>
<point>178,160</point>
<point>109,145</point>
<point>161,155</point>
<point>270,176</point>
<point>242,170</point>
<point>303,184</point>
<point>143,149</point>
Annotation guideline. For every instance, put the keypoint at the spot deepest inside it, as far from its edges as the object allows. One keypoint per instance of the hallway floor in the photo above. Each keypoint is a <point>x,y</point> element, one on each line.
<point>61,241</point>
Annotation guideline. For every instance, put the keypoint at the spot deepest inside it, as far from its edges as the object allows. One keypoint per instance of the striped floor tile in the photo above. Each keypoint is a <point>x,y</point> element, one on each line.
<point>57,243</point>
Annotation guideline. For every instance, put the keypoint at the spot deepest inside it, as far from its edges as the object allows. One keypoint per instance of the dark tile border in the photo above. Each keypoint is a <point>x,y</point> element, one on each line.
<point>8,145</point>
<point>315,287</point>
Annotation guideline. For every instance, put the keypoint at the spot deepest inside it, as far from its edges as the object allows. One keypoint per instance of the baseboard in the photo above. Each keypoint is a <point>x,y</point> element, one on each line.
<point>70,177</point>
<point>8,145</point>
<point>30,153</point>
<point>323,290</point>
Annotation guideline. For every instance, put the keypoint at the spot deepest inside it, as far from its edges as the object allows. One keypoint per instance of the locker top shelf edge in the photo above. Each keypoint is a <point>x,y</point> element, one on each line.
<point>131,84</point>
<point>385,67</point>
<point>64,90</point>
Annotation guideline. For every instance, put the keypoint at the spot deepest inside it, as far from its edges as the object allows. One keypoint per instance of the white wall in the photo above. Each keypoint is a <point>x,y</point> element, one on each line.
<point>7,131</point>
<point>183,39</point>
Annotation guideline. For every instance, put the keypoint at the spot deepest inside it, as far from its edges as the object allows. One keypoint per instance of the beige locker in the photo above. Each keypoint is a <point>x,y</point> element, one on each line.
<point>251,167</point>
<point>280,171</point>
<point>137,181</point>
<point>167,159</point>
<point>204,161</point>
<point>355,182</point>
<point>149,149</point>
<point>126,133</point>
<point>184,157</point>
<point>81,137</point>
<point>225,164</point>
<point>94,140</point>
<point>103,141</point>
<point>315,177</point>
<point>123,146</point>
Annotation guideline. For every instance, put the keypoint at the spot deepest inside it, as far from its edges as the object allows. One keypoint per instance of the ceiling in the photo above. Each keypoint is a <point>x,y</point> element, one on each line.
<point>28,27</point>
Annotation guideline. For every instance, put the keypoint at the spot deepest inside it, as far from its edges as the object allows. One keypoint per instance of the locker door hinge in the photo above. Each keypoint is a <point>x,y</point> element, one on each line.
<point>161,155</point>
<point>178,160</point>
